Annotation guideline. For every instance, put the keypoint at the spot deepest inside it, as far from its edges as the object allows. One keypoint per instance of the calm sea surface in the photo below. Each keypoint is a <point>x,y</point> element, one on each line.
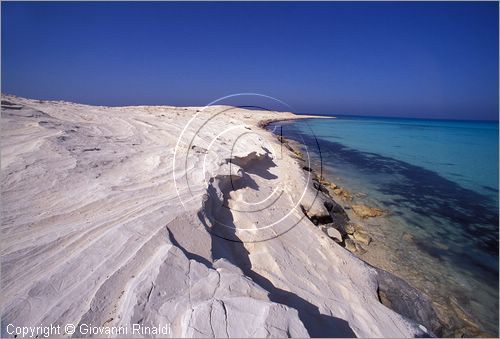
<point>439,182</point>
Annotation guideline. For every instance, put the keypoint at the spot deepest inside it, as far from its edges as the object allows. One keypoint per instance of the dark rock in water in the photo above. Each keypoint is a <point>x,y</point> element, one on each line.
<point>332,207</point>
<point>320,187</point>
<point>319,219</point>
<point>338,215</point>
<point>306,168</point>
<point>406,300</point>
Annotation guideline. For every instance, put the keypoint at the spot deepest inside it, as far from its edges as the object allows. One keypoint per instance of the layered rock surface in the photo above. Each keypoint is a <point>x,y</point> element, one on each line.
<point>166,215</point>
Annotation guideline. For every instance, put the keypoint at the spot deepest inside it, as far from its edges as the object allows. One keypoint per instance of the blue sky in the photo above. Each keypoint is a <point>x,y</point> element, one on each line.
<point>429,60</point>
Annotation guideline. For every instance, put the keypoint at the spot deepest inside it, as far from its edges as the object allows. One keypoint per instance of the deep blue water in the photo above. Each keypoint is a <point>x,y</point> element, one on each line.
<point>439,180</point>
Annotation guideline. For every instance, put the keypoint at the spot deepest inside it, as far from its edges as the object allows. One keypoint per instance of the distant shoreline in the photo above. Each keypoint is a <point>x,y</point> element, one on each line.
<point>264,123</point>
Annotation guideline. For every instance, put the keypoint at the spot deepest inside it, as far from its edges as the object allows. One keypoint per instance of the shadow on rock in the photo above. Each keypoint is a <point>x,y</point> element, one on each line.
<point>227,245</point>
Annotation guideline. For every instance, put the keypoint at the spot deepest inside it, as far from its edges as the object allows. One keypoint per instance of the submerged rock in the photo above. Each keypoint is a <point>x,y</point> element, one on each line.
<point>333,186</point>
<point>406,300</point>
<point>359,249</point>
<point>345,195</point>
<point>350,228</point>
<point>362,237</point>
<point>471,332</point>
<point>407,237</point>
<point>298,154</point>
<point>350,245</point>
<point>364,211</point>
<point>328,184</point>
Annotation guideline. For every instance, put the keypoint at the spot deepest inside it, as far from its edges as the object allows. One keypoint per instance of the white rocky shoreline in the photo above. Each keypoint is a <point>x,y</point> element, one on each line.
<point>160,215</point>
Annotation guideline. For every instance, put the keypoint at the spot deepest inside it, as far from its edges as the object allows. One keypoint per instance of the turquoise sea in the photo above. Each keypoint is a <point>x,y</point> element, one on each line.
<point>439,182</point>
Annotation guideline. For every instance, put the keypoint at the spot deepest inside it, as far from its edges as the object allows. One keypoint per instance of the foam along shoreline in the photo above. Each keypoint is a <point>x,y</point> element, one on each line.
<point>112,216</point>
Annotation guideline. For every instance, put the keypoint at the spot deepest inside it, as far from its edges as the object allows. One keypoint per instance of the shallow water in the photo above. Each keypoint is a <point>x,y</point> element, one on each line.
<point>439,180</point>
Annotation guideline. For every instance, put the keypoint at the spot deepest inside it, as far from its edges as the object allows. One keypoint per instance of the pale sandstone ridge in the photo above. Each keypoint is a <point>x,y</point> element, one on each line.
<point>102,226</point>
